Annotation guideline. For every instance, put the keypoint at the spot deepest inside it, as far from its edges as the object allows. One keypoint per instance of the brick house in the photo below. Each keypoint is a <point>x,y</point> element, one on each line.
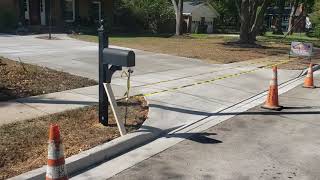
<point>63,12</point>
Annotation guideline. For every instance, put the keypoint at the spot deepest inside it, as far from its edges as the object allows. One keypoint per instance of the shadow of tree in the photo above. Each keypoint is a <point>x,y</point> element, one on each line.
<point>263,49</point>
<point>208,114</point>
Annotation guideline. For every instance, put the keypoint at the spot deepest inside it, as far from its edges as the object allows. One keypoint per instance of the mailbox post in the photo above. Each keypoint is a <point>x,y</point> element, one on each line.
<point>110,61</point>
<point>103,100</point>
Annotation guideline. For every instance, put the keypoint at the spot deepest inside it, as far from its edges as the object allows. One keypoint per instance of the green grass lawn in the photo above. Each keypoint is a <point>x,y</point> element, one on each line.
<point>302,37</point>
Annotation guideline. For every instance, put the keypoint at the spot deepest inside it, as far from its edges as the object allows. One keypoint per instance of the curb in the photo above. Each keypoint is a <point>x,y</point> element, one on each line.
<point>314,68</point>
<point>99,154</point>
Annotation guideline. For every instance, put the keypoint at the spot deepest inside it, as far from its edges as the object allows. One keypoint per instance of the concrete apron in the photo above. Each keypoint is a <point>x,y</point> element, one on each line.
<point>174,116</point>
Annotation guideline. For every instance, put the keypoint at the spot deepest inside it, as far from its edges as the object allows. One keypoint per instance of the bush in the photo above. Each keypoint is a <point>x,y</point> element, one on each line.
<point>147,15</point>
<point>315,19</point>
<point>8,20</point>
<point>317,31</point>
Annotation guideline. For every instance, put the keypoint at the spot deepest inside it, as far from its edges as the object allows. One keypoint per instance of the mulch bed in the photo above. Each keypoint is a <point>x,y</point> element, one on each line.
<point>18,80</point>
<point>23,145</point>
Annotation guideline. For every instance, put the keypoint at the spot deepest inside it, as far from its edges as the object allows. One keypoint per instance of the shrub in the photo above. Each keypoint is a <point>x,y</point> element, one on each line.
<point>315,19</point>
<point>148,15</point>
<point>317,31</point>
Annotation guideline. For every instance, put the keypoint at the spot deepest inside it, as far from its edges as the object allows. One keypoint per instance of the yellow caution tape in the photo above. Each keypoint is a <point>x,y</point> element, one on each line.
<point>217,78</point>
<point>210,72</point>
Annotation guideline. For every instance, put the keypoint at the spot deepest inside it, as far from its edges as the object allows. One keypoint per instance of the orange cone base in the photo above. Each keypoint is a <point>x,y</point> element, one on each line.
<point>311,87</point>
<point>275,108</point>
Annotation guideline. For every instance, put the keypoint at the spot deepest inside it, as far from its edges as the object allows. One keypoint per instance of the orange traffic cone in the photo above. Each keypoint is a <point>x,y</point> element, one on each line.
<point>56,169</point>
<point>272,99</point>
<point>308,81</point>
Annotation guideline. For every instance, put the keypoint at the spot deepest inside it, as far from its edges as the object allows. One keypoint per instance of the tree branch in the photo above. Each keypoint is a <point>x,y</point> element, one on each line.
<point>238,3</point>
<point>260,16</point>
<point>175,5</point>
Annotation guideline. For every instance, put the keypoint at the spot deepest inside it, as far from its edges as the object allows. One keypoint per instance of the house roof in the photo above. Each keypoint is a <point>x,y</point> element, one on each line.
<point>189,7</point>
<point>192,7</point>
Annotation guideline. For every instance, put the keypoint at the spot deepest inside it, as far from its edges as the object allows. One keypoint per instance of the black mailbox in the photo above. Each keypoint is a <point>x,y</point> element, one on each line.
<point>118,57</point>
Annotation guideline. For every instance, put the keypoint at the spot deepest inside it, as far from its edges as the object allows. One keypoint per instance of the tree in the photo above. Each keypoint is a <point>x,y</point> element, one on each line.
<point>315,18</point>
<point>280,5</point>
<point>178,8</point>
<point>251,13</point>
<point>148,15</point>
<point>295,5</point>
<point>226,10</point>
<point>306,7</point>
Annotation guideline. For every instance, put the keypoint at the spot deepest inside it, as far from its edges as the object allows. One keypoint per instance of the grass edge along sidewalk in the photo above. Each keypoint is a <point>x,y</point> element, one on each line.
<point>23,144</point>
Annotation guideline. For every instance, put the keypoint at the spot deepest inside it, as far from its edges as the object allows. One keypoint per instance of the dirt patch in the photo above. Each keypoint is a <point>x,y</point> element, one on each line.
<point>18,80</point>
<point>23,145</point>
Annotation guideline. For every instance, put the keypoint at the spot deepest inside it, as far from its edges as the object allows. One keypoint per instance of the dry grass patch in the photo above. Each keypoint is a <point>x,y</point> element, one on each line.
<point>211,49</point>
<point>18,80</point>
<point>23,145</point>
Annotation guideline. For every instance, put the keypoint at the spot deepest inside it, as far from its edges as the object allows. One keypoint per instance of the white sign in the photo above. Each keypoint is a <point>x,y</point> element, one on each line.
<point>301,49</point>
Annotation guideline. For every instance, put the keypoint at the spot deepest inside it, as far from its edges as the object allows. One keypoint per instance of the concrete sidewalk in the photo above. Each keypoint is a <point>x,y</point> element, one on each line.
<point>256,144</point>
<point>37,106</point>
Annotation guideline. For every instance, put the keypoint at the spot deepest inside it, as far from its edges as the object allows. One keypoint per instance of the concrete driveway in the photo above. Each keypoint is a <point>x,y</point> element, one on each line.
<point>79,57</point>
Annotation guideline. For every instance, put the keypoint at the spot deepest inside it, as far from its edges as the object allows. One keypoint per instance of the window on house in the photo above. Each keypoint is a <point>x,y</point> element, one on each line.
<point>69,10</point>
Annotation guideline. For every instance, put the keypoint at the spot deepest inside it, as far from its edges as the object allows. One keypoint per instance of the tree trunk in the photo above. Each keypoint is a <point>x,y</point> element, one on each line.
<point>278,30</point>
<point>292,16</point>
<point>258,24</point>
<point>178,8</point>
<point>244,17</point>
<point>251,17</point>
